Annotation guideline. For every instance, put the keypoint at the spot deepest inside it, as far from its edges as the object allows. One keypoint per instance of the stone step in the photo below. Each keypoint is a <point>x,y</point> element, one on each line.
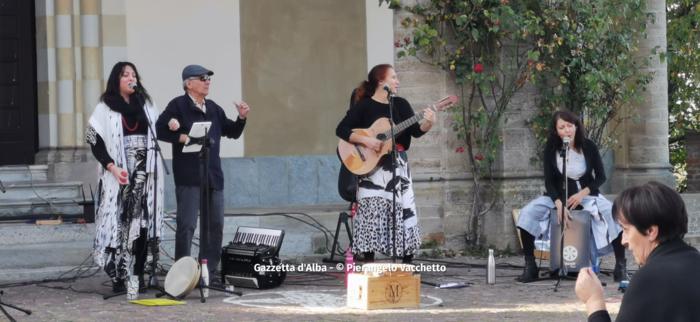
<point>12,234</point>
<point>23,173</point>
<point>39,255</point>
<point>18,191</point>
<point>36,207</point>
<point>32,252</point>
<point>42,273</point>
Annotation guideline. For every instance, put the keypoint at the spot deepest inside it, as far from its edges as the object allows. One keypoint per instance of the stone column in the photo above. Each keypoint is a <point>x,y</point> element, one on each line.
<point>46,74</point>
<point>65,73</point>
<point>692,160</point>
<point>70,74</point>
<point>91,62</point>
<point>643,154</point>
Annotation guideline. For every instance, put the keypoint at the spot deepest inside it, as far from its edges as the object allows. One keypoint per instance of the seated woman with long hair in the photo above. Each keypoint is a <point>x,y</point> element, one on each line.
<point>585,175</point>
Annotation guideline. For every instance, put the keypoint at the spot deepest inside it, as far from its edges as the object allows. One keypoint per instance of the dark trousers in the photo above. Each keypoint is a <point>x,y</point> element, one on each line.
<point>187,209</point>
<point>140,252</point>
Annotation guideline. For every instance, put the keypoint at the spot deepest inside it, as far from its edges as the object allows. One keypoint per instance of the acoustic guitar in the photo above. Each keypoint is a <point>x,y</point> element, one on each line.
<point>361,160</point>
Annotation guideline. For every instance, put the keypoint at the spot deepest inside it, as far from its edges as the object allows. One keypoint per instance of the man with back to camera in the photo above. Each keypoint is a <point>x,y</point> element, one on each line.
<point>173,126</point>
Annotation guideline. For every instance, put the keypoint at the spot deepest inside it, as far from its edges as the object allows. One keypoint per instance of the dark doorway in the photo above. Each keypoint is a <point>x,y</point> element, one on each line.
<point>18,109</point>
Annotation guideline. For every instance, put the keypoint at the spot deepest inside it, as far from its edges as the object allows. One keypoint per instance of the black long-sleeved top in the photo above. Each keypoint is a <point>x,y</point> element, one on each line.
<point>593,178</point>
<point>666,288</point>
<point>186,165</point>
<point>367,110</point>
<point>130,125</point>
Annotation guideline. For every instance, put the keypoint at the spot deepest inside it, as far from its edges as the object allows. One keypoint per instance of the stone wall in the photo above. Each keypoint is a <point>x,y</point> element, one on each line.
<point>692,205</point>
<point>442,180</point>
<point>692,161</point>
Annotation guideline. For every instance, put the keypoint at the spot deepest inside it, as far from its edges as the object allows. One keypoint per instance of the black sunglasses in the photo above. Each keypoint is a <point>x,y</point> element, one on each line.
<point>203,78</point>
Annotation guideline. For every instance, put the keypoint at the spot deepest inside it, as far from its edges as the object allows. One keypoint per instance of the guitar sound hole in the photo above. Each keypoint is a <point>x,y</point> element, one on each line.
<point>381,137</point>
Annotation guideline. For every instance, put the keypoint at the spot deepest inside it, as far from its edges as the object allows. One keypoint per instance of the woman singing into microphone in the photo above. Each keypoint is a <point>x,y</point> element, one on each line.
<point>120,139</point>
<point>374,224</point>
<point>585,174</point>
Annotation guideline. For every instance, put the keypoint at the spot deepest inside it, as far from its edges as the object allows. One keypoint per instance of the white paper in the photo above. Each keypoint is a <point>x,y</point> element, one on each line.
<point>197,131</point>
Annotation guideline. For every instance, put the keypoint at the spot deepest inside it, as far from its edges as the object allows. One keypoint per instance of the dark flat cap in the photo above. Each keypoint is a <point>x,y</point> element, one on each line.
<point>195,70</point>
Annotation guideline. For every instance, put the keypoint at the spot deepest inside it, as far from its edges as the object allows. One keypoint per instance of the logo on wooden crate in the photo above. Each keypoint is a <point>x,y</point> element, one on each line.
<point>393,292</point>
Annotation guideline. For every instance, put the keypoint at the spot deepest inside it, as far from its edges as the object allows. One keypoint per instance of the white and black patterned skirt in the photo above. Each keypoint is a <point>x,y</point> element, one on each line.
<point>373,227</point>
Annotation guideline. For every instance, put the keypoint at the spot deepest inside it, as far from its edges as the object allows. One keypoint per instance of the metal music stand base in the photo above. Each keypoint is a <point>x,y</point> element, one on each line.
<point>150,286</point>
<point>202,287</point>
<point>7,314</point>
<point>558,276</point>
<point>343,219</point>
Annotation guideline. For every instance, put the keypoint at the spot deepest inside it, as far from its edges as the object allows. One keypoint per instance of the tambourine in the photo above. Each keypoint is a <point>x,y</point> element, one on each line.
<point>182,277</point>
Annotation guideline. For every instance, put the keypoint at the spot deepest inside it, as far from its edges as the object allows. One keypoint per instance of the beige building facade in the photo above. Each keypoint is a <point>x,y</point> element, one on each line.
<point>294,62</point>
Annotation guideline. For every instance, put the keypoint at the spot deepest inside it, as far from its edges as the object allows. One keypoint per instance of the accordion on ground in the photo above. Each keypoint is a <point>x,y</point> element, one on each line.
<point>253,248</point>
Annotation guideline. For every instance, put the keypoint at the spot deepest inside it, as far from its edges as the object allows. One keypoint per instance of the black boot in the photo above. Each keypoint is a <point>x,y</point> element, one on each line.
<point>530,273</point>
<point>620,272</point>
<point>407,259</point>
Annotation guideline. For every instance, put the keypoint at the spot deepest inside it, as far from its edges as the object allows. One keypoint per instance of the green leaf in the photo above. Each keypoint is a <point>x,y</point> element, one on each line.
<point>475,34</point>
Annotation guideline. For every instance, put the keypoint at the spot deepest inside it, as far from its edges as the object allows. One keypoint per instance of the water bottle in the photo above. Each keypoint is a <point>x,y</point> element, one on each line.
<point>491,269</point>
<point>349,264</point>
<point>452,285</point>
<point>205,278</point>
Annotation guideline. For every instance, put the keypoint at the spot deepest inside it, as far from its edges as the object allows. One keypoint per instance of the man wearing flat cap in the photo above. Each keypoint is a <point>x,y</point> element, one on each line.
<point>173,126</point>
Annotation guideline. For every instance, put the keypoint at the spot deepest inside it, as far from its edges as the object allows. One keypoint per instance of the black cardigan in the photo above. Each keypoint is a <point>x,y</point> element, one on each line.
<point>186,165</point>
<point>666,288</point>
<point>593,178</point>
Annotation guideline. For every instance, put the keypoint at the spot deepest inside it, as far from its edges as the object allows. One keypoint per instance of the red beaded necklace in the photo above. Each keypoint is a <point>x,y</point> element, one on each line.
<point>126,125</point>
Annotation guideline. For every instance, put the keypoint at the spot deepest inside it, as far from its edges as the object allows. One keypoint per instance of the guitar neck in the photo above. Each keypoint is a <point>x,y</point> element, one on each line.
<point>398,128</point>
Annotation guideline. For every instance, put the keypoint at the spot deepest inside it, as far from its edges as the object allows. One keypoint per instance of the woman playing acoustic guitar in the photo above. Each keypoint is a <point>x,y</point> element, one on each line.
<point>373,226</point>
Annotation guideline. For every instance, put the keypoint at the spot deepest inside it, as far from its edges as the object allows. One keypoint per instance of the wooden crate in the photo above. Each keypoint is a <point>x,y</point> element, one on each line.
<point>542,254</point>
<point>539,253</point>
<point>387,290</point>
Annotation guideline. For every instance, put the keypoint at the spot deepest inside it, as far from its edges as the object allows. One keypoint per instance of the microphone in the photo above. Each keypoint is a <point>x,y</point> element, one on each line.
<point>387,88</point>
<point>566,141</point>
<point>134,86</point>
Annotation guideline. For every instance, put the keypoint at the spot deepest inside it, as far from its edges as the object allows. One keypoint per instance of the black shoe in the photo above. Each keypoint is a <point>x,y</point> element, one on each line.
<point>407,259</point>
<point>530,273</point>
<point>142,285</point>
<point>216,283</point>
<point>118,286</point>
<point>368,257</point>
<point>620,272</point>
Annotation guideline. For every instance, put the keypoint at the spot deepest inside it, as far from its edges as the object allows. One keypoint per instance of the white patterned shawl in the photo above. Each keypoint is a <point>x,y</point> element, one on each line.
<point>108,124</point>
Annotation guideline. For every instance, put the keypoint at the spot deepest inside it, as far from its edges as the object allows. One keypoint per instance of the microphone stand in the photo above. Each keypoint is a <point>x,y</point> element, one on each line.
<point>153,242</point>
<point>204,207</point>
<point>564,154</point>
<point>7,314</point>
<point>204,217</point>
<point>390,97</point>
